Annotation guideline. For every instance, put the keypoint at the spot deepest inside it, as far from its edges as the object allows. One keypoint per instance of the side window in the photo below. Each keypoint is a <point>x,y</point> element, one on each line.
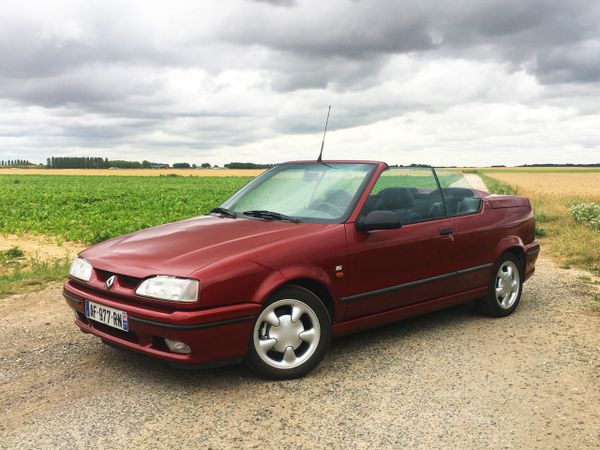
<point>459,196</point>
<point>412,193</point>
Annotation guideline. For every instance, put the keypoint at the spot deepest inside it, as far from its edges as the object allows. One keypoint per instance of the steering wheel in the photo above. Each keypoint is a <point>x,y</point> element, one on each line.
<point>327,207</point>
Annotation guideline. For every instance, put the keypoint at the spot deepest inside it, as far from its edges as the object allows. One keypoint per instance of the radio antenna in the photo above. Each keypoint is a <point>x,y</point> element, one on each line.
<point>320,158</point>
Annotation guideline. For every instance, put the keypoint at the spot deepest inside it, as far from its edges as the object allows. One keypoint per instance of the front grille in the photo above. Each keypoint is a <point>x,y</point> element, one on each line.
<point>99,289</point>
<point>125,281</point>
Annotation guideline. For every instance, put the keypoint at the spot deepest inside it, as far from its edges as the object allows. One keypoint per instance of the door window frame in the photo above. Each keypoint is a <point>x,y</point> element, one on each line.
<point>445,215</point>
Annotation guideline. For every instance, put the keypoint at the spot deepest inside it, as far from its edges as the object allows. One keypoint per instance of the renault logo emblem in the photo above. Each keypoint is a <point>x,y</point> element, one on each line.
<point>110,282</point>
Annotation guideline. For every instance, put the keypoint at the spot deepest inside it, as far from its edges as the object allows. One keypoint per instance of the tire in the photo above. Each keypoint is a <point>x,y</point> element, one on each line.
<point>290,335</point>
<point>505,287</point>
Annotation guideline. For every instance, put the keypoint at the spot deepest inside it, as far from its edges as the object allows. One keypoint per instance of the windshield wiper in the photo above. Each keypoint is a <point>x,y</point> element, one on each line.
<point>270,215</point>
<point>224,212</point>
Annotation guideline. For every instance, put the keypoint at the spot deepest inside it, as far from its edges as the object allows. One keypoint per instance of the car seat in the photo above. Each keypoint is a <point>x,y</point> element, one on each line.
<point>399,200</point>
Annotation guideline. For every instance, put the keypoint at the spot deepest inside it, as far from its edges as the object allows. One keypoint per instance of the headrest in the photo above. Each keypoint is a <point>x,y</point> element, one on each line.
<point>458,192</point>
<point>396,198</point>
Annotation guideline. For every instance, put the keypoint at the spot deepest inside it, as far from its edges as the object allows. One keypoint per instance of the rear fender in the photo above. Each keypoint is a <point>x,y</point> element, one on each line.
<point>509,242</point>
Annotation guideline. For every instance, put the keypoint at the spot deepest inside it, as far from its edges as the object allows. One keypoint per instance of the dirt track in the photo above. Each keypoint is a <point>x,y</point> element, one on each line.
<point>39,248</point>
<point>448,379</point>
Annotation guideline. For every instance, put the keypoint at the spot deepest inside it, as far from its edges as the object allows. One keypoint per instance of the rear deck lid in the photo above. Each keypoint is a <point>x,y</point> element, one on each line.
<point>506,201</point>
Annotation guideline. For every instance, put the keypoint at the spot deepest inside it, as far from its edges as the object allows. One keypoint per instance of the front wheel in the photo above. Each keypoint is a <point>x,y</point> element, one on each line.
<point>290,336</point>
<point>506,285</point>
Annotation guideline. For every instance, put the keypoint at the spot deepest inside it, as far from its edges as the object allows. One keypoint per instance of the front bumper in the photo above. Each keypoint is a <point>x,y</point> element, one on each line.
<point>214,334</point>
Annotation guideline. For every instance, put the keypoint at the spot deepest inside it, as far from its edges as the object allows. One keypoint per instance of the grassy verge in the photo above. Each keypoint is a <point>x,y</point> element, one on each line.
<point>497,187</point>
<point>535,170</point>
<point>572,243</point>
<point>19,274</point>
<point>596,302</point>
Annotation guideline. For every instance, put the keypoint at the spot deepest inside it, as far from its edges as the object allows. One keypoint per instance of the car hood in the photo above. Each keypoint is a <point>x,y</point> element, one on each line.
<point>181,248</point>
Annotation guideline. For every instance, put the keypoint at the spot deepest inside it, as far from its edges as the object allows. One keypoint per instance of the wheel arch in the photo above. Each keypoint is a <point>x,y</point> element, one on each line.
<point>275,283</point>
<point>317,288</point>
<point>513,245</point>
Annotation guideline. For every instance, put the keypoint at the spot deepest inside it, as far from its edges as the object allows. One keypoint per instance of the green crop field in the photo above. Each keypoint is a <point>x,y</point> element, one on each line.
<point>88,209</point>
<point>91,209</point>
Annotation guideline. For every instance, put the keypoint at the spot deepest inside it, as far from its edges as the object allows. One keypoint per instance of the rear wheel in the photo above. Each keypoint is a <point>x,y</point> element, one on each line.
<point>506,285</point>
<point>290,336</point>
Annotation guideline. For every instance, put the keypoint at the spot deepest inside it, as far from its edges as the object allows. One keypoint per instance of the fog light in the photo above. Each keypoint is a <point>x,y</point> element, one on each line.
<point>177,346</point>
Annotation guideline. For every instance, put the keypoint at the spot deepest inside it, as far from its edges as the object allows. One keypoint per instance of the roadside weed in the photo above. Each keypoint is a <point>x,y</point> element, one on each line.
<point>586,213</point>
<point>26,275</point>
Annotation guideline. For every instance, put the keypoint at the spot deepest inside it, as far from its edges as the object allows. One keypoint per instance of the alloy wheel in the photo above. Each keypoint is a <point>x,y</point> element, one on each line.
<point>508,284</point>
<point>286,334</point>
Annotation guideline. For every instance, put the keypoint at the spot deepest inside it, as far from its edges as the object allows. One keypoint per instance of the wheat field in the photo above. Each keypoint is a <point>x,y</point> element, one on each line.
<point>585,185</point>
<point>553,195</point>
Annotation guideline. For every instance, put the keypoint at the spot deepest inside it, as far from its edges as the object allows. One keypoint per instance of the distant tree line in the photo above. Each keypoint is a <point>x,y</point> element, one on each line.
<point>85,162</point>
<point>560,165</point>
<point>15,162</point>
<point>76,162</point>
<point>247,165</point>
<point>410,165</point>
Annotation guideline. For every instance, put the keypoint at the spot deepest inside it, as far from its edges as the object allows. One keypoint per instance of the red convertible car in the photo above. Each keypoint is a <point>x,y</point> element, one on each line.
<point>305,252</point>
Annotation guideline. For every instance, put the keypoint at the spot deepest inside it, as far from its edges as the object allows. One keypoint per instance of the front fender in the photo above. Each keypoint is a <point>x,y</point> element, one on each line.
<point>302,273</point>
<point>297,271</point>
<point>270,284</point>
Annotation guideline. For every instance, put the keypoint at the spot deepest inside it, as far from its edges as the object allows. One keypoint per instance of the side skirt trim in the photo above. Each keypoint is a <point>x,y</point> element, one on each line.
<point>377,292</point>
<point>404,312</point>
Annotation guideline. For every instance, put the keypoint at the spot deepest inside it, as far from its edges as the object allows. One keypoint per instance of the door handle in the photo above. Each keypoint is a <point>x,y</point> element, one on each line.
<point>445,231</point>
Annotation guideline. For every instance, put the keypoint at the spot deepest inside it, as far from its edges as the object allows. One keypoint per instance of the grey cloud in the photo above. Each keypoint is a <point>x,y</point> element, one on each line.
<point>91,87</point>
<point>277,2</point>
<point>106,82</point>
<point>292,72</point>
<point>514,32</point>
<point>347,29</point>
<point>580,63</point>
<point>39,53</point>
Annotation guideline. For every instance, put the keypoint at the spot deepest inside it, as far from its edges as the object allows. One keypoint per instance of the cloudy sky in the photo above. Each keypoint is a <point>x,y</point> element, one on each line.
<point>466,82</point>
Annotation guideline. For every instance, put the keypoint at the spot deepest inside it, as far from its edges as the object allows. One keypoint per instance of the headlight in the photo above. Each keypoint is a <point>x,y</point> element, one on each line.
<point>81,269</point>
<point>169,288</point>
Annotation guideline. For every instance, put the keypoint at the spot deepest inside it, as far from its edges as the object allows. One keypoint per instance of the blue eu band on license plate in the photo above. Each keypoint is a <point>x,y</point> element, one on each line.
<point>108,316</point>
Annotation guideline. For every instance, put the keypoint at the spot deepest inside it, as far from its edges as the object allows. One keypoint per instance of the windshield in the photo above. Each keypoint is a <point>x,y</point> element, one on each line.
<point>305,191</point>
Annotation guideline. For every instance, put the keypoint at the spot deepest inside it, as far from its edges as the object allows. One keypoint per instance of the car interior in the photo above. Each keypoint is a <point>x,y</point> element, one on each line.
<point>412,204</point>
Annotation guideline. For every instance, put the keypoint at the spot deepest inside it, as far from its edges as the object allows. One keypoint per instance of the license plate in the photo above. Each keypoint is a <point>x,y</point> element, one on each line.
<point>108,316</point>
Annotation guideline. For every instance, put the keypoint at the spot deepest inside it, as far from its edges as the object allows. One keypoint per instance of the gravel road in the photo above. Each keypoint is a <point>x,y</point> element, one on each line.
<point>451,379</point>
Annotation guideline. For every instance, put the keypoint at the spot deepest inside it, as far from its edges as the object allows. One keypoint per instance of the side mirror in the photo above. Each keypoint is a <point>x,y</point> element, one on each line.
<point>378,220</point>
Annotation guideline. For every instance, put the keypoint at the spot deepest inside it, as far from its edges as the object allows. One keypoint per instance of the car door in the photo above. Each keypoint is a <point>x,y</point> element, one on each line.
<point>475,233</point>
<point>388,269</point>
